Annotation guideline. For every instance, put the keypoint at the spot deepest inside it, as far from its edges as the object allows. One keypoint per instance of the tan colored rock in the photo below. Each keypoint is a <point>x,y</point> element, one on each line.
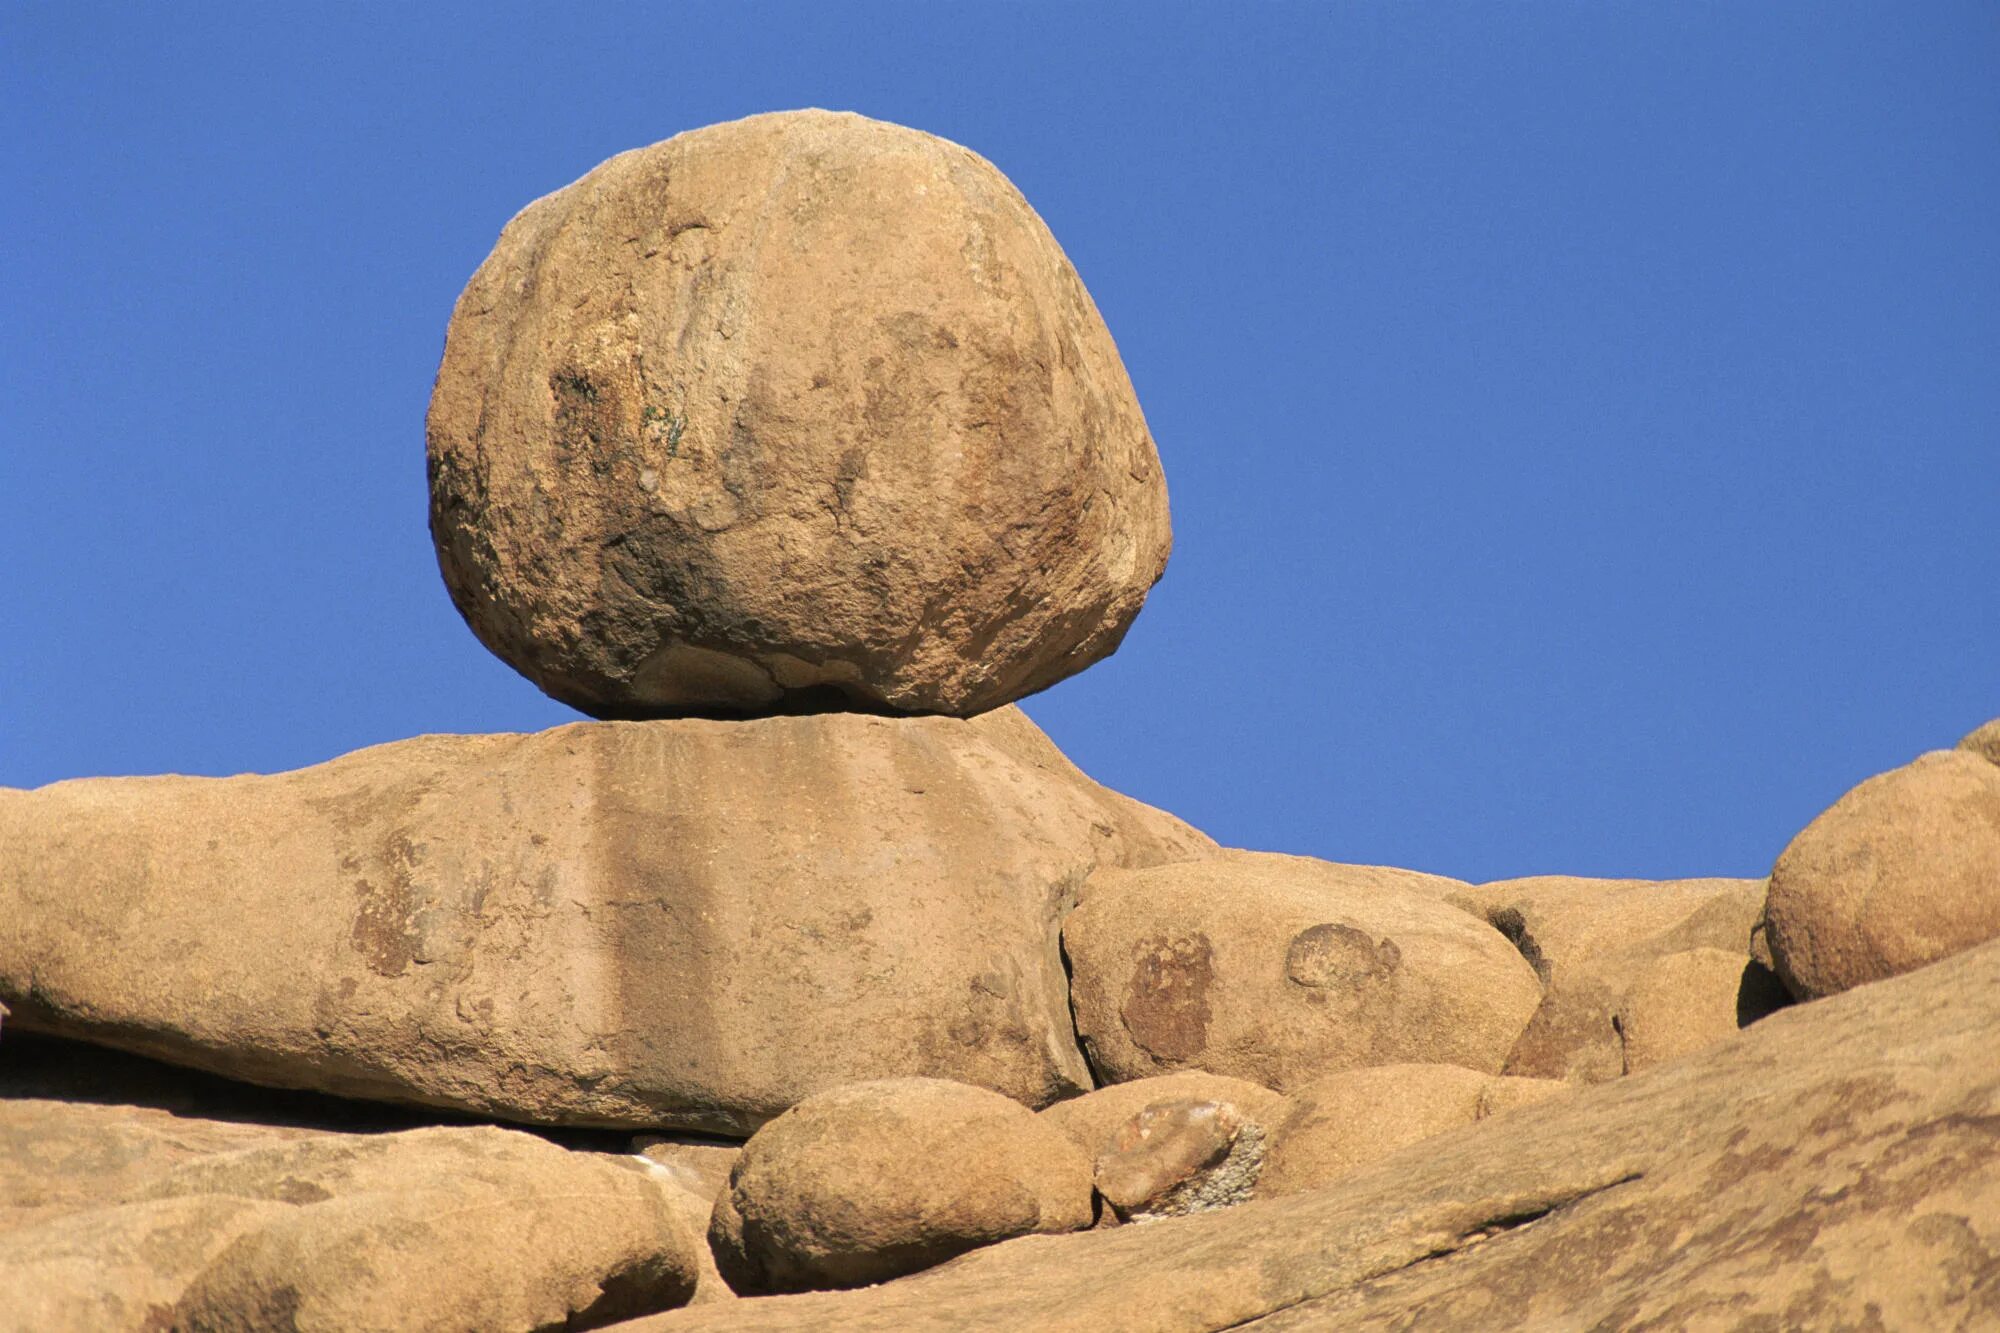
<point>874,1180</point>
<point>1836,1165</point>
<point>422,1229</point>
<point>1339,1124</point>
<point>1178,1157</point>
<point>1984,741</point>
<point>1090,1120</point>
<point>689,924</point>
<point>1562,923</point>
<point>1278,969</point>
<point>1900,872</point>
<point>1680,1002</point>
<point>1590,939</point>
<point>696,1172</point>
<point>796,407</point>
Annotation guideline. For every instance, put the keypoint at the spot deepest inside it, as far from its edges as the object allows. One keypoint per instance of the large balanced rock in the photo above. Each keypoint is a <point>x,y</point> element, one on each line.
<point>1278,969</point>
<point>1336,1125</point>
<point>688,923</point>
<point>1637,971</point>
<point>419,1230</point>
<point>1835,1166</point>
<point>798,407</point>
<point>875,1180</point>
<point>1900,872</point>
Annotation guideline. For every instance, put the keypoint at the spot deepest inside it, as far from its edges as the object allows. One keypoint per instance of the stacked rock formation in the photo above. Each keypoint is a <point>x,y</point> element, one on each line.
<point>795,452</point>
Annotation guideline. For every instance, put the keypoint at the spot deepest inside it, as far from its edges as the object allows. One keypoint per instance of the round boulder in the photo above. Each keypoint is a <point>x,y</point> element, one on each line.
<point>796,411</point>
<point>1279,969</point>
<point>1900,872</point>
<point>875,1180</point>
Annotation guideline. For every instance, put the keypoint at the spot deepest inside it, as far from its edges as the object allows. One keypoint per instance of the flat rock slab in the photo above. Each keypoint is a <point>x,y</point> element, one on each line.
<point>683,924</point>
<point>1836,1165</point>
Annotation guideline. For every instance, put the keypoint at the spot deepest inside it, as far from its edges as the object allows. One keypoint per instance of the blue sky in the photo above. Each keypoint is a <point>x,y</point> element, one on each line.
<point>1582,420</point>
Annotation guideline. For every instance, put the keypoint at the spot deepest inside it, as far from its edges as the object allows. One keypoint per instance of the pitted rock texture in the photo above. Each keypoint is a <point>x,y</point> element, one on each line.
<point>666,924</point>
<point>1900,872</point>
<point>878,1179</point>
<point>1835,1166</point>
<point>211,1225</point>
<point>796,409</point>
<point>1277,969</point>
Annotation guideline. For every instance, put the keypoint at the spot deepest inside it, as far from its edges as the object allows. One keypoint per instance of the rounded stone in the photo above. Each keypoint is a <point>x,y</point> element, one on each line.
<point>798,411</point>
<point>1900,872</point>
<point>875,1180</point>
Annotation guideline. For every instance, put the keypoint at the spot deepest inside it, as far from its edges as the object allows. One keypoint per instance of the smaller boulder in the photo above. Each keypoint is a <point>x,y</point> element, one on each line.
<point>1090,1120</point>
<point>1345,1121</point>
<point>1177,1157</point>
<point>1900,872</point>
<point>1682,1002</point>
<point>1278,969</point>
<point>875,1180</point>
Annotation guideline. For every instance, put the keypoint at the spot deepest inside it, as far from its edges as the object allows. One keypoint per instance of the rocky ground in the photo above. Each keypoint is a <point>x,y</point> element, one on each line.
<point>816,989</point>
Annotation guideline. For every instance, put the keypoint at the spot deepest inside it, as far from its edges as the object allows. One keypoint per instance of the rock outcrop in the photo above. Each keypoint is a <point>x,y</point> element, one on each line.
<point>1837,1165</point>
<point>800,408</point>
<point>1900,872</point>
<point>1279,969</point>
<point>420,1229</point>
<point>689,923</point>
<point>1983,741</point>
<point>1601,946</point>
<point>876,1180</point>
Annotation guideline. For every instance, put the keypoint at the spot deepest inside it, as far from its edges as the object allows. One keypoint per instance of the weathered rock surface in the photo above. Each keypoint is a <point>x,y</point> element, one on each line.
<point>800,406</point>
<point>1336,1125</point>
<point>1837,1165</point>
<point>1592,941</point>
<point>1278,969</point>
<point>1178,1157</point>
<point>1565,923</point>
<point>874,1180</point>
<point>689,924</point>
<point>422,1229</point>
<point>1900,872</point>
<point>1984,741</point>
<point>1091,1119</point>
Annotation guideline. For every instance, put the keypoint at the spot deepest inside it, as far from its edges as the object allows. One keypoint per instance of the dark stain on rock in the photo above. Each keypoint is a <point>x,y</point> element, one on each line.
<point>385,930</point>
<point>1335,955</point>
<point>1166,1001</point>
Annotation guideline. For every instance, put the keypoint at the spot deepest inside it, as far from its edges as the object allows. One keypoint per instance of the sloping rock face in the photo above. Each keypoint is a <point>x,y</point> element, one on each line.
<point>689,924</point>
<point>1637,971</point>
<point>1277,969</point>
<point>874,1180</point>
<point>800,406</point>
<point>1901,871</point>
<point>1838,1165</point>
<point>419,1229</point>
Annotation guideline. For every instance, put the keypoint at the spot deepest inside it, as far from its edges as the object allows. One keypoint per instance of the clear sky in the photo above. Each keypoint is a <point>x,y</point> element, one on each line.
<point>1582,420</point>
